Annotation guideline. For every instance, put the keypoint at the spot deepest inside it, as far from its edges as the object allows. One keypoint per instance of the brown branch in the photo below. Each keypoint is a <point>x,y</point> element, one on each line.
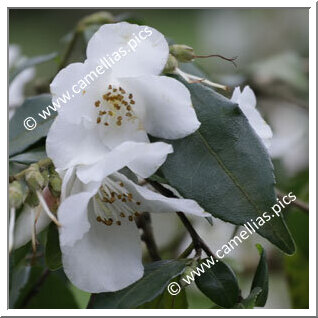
<point>144,223</point>
<point>35,289</point>
<point>297,203</point>
<point>231,59</point>
<point>198,243</point>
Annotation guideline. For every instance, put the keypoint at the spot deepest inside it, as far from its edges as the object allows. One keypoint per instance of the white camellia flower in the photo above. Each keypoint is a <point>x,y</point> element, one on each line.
<point>16,87</point>
<point>100,131</point>
<point>247,103</point>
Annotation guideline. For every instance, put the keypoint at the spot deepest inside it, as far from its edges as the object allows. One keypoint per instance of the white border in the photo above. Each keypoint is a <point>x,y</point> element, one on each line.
<point>312,155</point>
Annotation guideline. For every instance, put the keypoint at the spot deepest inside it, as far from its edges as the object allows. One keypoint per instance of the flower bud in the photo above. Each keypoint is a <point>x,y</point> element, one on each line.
<point>183,53</point>
<point>101,17</point>
<point>171,65</point>
<point>17,193</point>
<point>32,199</point>
<point>55,183</point>
<point>33,177</point>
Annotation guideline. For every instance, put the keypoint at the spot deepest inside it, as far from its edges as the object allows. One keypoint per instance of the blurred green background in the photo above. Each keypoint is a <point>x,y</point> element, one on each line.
<point>272,50</point>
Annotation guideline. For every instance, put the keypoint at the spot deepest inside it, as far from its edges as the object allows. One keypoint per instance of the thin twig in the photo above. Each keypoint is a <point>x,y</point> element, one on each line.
<point>144,223</point>
<point>297,203</point>
<point>231,59</point>
<point>35,289</point>
<point>198,243</point>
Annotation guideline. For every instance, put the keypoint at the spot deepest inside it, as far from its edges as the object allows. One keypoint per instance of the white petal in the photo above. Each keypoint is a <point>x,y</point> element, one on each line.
<point>73,216</point>
<point>24,225</point>
<point>114,135</point>
<point>16,88</point>
<point>75,90</point>
<point>247,102</point>
<point>168,111</point>
<point>107,258</point>
<point>154,202</point>
<point>114,42</point>
<point>142,158</point>
<point>71,144</point>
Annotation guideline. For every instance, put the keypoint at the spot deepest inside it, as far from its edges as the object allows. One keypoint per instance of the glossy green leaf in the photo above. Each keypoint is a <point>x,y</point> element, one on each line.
<point>167,301</point>
<point>30,63</point>
<point>225,167</point>
<point>53,255</point>
<point>261,278</point>
<point>156,278</point>
<point>219,283</point>
<point>19,137</point>
<point>29,157</point>
<point>18,280</point>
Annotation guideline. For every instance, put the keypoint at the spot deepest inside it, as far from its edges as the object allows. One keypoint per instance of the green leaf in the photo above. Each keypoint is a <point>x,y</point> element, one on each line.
<point>18,280</point>
<point>251,300</point>
<point>156,278</point>
<point>261,278</point>
<point>30,63</point>
<point>167,301</point>
<point>225,167</point>
<point>29,157</point>
<point>19,137</point>
<point>219,283</point>
<point>53,255</point>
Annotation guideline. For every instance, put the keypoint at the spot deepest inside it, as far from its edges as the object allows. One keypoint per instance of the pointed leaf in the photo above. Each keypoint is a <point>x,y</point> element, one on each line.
<point>219,283</point>
<point>19,137</point>
<point>156,278</point>
<point>225,167</point>
<point>53,255</point>
<point>261,278</point>
<point>30,63</point>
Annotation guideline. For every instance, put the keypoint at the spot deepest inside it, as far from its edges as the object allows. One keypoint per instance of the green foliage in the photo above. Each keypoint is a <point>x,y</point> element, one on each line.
<point>220,284</point>
<point>53,255</point>
<point>167,301</point>
<point>19,137</point>
<point>156,278</point>
<point>261,278</point>
<point>228,171</point>
<point>251,300</point>
<point>41,289</point>
<point>29,157</point>
<point>30,63</point>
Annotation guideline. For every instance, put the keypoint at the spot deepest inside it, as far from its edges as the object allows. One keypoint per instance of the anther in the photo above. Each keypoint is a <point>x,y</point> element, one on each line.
<point>97,103</point>
<point>130,218</point>
<point>122,215</point>
<point>118,222</point>
<point>98,120</point>
<point>132,102</point>
<point>108,222</point>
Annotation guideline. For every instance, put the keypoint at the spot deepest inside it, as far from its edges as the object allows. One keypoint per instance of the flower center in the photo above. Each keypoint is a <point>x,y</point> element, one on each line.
<point>115,202</point>
<point>115,107</point>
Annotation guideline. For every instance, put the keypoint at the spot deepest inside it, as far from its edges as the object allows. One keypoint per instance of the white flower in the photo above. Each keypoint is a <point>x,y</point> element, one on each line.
<point>99,239</point>
<point>16,88</point>
<point>125,103</point>
<point>99,132</point>
<point>247,103</point>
